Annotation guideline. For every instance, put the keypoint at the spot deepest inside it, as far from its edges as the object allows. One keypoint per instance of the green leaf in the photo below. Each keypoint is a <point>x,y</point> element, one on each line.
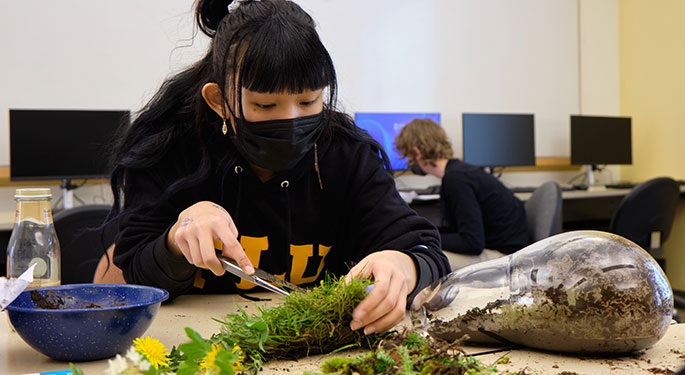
<point>258,325</point>
<point>224,361</point>
<point>75,370</point>
<point>262,332</point>
<point>197,348</point>
<point>193,335</point>
<point>175,358</point>
<point>193,351</point>
<point>187,368</point>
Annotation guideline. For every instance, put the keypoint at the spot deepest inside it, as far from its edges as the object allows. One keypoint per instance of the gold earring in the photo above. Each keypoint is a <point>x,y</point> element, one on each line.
<point>224,129</point>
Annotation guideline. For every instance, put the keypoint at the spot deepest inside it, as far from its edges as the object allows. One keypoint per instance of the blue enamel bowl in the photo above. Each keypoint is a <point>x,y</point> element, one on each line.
<point>84,322</point>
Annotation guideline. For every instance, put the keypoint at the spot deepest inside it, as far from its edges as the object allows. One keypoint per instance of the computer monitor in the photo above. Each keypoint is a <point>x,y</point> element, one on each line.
<point>599,140</point>
<point>61,144</point>
<point>498,140</point>
<point>384,127</point>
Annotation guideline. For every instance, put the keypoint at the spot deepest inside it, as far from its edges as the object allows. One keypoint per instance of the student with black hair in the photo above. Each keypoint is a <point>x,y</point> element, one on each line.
<point>246,147</point>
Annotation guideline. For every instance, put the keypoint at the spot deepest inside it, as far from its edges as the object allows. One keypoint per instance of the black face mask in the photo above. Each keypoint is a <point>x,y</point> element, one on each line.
<point>277,145</point>
<point>416,169</point>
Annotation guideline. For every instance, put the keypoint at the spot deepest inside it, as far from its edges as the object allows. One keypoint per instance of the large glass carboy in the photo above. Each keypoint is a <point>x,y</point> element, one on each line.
<point>582,291</point>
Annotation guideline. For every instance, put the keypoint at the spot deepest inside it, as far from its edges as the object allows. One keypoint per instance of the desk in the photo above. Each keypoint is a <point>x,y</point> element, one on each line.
<point>196,311</point>
<point>581,209</point>
<point>584,194</point>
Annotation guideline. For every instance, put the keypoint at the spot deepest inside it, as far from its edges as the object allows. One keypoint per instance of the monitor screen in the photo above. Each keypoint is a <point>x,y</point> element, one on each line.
<point>498,140</point>
<point>600,140</point>
<point>61,144</point>
<point>384,127</point>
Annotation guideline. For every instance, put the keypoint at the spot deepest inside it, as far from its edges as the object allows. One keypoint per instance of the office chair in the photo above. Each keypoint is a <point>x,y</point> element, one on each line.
<point>645,216</point>
<point>543,211</point>
<point>81,243</point>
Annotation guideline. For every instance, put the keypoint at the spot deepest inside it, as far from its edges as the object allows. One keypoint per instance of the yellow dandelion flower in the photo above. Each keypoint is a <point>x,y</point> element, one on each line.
<point>238,365</point>
<point>208,361</point>
<point>153,350</point>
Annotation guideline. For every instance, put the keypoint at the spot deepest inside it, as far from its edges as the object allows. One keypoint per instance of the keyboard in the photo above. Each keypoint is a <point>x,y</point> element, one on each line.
<point>621,185</point>
<point>522,189</point>
<point>431,190</point>
<point>530,189</point>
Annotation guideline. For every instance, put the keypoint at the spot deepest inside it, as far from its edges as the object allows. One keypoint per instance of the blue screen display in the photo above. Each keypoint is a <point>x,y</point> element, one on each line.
<point>384,127</point>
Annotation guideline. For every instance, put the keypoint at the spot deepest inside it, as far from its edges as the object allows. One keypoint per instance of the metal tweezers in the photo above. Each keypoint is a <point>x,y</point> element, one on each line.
<point>261,278</point>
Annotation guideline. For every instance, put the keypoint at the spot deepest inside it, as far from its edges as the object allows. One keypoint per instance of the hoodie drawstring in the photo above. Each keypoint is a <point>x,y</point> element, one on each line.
<point>288,228</point>
<point>239,171</point>
<point>316,165</point>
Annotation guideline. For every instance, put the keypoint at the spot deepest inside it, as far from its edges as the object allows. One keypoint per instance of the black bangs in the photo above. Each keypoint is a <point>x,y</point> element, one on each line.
<point>285,57</point>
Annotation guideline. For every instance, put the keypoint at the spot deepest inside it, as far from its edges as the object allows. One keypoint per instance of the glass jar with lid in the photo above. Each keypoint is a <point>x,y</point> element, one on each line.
<point>33,239</point>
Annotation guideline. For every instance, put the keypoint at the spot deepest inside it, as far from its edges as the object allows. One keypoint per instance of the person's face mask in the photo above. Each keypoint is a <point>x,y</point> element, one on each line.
<point>416,169</point>
<point>277,145</point>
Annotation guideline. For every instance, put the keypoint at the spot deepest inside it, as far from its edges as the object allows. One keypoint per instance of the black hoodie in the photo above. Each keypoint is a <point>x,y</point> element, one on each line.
<point>479,212</point>
<point>292,225</point>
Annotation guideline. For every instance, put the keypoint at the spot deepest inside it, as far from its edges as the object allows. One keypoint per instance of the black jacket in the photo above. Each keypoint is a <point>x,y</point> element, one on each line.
<point>288,225</point>
<point>479,212</point>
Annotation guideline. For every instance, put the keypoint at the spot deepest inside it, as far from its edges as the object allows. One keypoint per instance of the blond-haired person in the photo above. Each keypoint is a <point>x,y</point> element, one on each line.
<point>481,218</point>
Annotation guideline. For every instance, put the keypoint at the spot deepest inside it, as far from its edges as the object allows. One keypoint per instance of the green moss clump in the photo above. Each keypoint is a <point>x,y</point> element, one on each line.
<point>306,323</point>
<point>337,364</point>
<point>408,354</point>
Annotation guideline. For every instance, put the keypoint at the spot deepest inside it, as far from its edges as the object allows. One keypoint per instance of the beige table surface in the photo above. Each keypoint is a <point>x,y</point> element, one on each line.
<point>197,312</point>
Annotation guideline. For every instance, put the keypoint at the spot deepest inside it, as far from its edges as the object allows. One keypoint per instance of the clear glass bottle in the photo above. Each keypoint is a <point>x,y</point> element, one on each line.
<point>33,239</point>
<point>582,291</point>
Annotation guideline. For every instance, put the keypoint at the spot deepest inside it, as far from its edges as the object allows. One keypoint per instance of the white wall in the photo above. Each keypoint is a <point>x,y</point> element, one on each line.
<point>449,56</point>
<point>89,54</point>
<point>599,57</point>
<point>458,56</point>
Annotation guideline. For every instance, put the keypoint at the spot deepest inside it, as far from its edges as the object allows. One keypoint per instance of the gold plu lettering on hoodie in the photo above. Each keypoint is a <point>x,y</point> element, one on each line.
<point>301,256</point>
<point>254,246</point>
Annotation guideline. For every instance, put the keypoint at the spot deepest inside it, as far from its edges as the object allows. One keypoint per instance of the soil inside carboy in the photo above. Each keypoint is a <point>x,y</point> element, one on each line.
<point>598,318</point>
